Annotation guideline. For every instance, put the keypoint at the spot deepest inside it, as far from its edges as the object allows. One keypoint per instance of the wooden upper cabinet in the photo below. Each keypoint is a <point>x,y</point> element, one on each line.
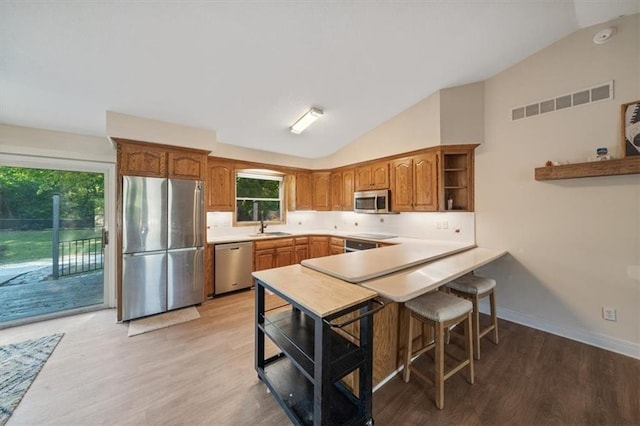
<point>187,165</point>
<point>425,181</point>
<point>137,158</point>
<point>303,191</point>
<point>336,191</point>
<point>348,185</point>
<point>372,176</point>
<point>220,185</point>
<point>142,160</point>
<point>402,184</point>
<point>342,187</point>
<point>321,190</point>
<point>414,183</point>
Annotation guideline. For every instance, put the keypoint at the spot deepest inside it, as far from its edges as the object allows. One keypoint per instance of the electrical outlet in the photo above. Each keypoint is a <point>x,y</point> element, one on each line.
<point>609,313</point>
<point>438,225</point>
<point>445,224</point>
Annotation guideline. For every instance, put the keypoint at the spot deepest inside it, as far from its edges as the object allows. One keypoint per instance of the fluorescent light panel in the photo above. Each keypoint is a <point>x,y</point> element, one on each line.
<point>306,120</point>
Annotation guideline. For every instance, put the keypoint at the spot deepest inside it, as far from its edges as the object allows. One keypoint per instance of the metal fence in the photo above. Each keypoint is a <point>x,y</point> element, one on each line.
<point>78,256</point>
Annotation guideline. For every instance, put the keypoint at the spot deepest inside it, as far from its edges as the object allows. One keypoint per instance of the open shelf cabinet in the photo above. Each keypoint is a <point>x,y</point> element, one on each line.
<point>457,179</point>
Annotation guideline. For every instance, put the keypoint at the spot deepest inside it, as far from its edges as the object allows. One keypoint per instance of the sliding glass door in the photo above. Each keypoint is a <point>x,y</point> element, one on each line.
<point>53,222</point>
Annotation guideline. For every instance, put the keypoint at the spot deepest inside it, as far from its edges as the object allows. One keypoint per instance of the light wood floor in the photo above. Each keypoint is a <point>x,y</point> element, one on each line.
<point>202,372</point>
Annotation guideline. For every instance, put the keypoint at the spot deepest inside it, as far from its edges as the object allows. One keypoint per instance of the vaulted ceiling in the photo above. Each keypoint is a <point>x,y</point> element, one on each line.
<point>249,69</point>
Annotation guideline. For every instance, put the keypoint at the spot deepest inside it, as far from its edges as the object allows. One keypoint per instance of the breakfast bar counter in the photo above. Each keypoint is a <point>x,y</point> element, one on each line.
<point>326,294</point>
<point>360,266</point>
<point>413,282</point>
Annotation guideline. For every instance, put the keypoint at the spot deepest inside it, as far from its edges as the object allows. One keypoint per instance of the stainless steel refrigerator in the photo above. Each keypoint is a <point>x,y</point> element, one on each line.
<point>162,245</point>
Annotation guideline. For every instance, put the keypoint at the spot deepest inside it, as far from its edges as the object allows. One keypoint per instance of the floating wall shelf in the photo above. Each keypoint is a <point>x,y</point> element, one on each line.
<point>625,166</point>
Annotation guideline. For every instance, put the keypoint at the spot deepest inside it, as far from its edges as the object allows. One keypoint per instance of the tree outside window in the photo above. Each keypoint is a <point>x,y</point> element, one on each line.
<point>258,197</point>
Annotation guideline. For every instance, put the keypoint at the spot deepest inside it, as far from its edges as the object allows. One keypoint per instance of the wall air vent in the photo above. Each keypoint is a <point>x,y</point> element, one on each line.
<point>601,92</point>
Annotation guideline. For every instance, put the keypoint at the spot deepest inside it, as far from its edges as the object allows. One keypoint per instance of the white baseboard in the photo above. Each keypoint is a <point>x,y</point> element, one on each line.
<point>594,339</point>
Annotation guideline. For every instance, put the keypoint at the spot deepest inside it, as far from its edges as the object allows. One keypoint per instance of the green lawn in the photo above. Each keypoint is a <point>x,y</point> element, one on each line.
<point>21,246</point>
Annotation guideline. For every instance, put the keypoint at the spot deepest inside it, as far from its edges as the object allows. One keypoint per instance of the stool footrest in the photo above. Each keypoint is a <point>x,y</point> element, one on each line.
<point>457,368</point>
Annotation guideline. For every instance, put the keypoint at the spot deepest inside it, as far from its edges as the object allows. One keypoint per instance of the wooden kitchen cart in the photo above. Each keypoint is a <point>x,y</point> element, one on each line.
<point>305,377</point>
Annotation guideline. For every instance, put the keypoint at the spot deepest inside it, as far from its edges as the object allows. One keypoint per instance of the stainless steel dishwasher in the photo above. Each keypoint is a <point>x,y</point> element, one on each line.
<point>233,266</point>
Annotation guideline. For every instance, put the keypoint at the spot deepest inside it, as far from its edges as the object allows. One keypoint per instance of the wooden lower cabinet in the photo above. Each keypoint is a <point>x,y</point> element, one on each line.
<point>301,248</point>
<point>385,343</point>
<point>389,337</point>
<point>285,256</point>
<point>273,253</point>
<point>336,245</point>
<point>209,272</point>
<point>264,259</point>
<point>318,246</point>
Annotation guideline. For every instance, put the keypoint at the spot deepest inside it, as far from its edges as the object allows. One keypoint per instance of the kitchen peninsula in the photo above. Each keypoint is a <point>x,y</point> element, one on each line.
<point>397,274</point>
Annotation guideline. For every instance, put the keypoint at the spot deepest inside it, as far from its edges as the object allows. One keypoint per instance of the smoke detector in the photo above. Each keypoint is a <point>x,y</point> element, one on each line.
<point>603,36</point>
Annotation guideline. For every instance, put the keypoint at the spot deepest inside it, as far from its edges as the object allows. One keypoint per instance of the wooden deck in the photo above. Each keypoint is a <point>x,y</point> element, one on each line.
<point>31,297</point>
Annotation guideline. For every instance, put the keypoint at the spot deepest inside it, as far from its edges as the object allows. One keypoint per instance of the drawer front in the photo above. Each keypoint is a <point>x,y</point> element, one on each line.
<point>301,240</point>
<point>273,243</point>
<point>334,241</point>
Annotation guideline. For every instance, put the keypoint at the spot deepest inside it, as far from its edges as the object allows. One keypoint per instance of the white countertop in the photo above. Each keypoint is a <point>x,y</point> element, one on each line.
<point>400,272</point>
<point>232,238</point>
<point>413,282</point>
<point>359,266</point>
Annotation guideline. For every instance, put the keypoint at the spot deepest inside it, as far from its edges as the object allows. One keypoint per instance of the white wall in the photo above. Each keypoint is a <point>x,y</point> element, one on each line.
<point>47,143</point>
<point>574,245</point>
<point>449,226</point>
<point>148,130</point>
<point>462,114</point>
<point>415,128</point>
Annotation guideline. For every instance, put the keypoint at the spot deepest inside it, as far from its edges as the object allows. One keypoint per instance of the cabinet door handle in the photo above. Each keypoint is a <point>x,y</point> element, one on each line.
<point>366,314</point>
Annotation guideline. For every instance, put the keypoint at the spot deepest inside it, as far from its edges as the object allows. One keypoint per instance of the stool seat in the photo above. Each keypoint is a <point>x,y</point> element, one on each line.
<point>473,284</point>
<point>439,306</point>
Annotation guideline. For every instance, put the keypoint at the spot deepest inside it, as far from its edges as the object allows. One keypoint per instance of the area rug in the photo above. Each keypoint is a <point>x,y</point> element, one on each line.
<point>20,363</point>
<point>167,319</point>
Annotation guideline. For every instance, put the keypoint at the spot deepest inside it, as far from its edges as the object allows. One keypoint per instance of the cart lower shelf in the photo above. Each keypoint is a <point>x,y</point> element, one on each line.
<point>295,393</point>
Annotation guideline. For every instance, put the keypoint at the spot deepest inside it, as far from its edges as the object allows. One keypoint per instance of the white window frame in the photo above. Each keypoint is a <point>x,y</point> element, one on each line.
<point>263,175</point>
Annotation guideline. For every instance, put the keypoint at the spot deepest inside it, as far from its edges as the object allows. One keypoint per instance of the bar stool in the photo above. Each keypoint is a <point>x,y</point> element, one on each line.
<point>474,287</point>
<point>440,311</point>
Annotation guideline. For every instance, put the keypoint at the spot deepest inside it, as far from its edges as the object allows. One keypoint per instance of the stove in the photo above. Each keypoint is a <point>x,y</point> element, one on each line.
<point>370,236</point>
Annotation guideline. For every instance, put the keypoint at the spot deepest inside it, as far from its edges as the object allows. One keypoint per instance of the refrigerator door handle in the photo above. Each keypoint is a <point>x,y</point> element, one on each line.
<point>183,249</point>
<point>143,253</point>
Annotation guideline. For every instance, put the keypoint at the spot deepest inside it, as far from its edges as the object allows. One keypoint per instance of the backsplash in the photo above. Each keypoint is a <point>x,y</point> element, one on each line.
<point>450,226</point>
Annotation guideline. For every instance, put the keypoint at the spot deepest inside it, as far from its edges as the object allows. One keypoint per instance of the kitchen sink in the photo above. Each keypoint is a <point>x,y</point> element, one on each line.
<point>270,234</point>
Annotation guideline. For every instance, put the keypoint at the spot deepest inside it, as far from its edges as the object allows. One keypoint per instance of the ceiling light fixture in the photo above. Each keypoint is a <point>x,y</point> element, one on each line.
<point>306,120</point>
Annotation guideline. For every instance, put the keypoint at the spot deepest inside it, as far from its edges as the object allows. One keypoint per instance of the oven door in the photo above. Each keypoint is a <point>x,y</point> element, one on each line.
<point>355,245</point>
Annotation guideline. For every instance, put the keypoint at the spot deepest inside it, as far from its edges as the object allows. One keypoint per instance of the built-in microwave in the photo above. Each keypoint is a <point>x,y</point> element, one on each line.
<point>371,201</point>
